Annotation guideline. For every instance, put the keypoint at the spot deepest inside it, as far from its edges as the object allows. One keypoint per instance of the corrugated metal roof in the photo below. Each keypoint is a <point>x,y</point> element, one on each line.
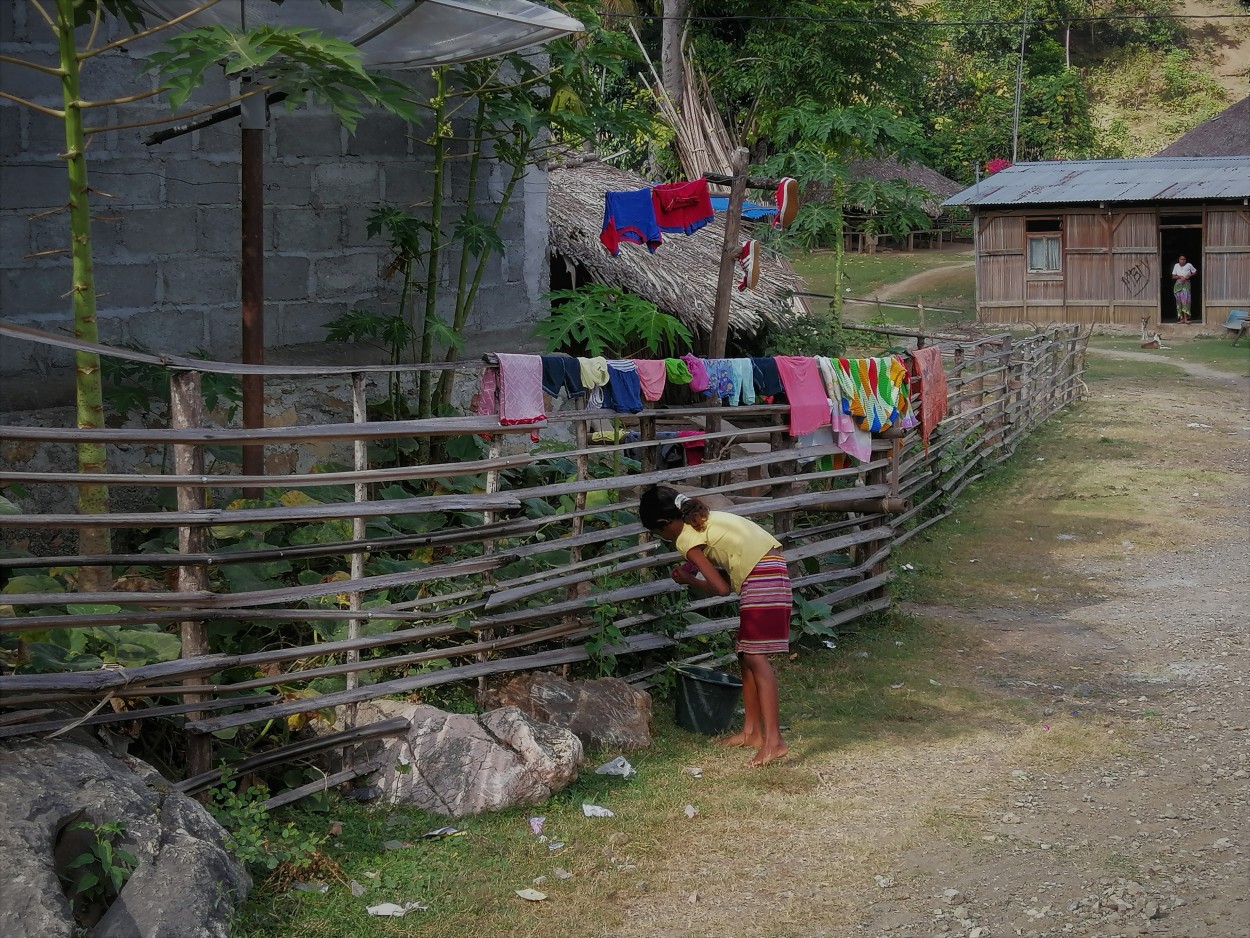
<point>1150,179</point>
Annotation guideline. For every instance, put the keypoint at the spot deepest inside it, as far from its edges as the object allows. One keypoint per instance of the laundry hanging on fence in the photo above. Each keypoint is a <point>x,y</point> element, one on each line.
<point>514,390</point>
<point>623,392</point>
<point>562,373</point>
<point>874,391</point>
<point>931,383</point>
<point>809,404</point>
<point>847,433</point>
<point>594,372</point>
<point>652,374</point>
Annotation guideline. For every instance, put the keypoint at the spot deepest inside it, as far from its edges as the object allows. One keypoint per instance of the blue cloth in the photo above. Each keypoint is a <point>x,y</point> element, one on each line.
<point>767,377</point>
<point>629,216</point>
<point>720,377</point>
<point>562,372</point>
<point>743,380</point>
<point>623,392</point>
<point>720,203</point>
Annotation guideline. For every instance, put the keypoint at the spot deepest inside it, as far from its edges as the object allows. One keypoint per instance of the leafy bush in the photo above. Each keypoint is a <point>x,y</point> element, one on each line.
<point>253,836</point>
<point>600,320</point>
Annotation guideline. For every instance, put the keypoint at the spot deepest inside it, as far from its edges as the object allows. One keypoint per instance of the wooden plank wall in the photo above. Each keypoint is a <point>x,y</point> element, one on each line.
<point>1111,267</point>
<point>482,613</point>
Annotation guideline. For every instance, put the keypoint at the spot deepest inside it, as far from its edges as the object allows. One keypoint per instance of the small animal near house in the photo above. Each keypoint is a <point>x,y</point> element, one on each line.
<point>1150,339</point>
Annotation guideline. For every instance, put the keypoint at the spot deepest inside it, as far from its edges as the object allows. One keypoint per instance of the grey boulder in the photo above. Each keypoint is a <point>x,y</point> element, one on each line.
<point>605,714</point>
<point>185,885</point>
<point>457,764</point>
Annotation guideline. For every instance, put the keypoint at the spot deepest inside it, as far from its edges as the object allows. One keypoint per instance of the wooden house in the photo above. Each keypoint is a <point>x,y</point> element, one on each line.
<point>1094,241</point>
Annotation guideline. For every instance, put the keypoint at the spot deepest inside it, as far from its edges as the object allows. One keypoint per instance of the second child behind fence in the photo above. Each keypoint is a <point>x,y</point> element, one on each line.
<point>752,565</point>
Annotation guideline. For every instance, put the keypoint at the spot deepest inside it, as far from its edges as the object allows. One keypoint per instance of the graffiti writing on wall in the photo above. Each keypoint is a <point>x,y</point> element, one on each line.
<point>1137,277</point>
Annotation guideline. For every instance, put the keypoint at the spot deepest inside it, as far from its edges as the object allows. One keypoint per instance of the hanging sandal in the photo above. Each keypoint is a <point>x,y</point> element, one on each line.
<point>749,263</point>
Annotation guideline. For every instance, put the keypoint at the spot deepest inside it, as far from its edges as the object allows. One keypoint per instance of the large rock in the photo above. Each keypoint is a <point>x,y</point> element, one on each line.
<point>457,764</point>
<point>605,714</point>
<point>185,886</point>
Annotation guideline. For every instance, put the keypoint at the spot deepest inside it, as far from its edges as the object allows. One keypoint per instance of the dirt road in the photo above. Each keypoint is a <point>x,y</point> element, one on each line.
<point>1095,780</point>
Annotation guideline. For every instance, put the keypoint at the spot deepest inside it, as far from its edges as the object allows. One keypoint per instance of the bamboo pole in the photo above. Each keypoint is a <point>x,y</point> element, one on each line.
<point>186,409</point>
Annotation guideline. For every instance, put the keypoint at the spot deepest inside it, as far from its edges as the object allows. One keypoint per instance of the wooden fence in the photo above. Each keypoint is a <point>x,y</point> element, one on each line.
<point>523,557</point>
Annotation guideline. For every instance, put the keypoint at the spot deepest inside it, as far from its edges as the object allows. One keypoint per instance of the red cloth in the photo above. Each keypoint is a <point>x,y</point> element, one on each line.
<point>805,389</point>
<point>693,443</point>
<point>682,206</point>
<point>931,382</point>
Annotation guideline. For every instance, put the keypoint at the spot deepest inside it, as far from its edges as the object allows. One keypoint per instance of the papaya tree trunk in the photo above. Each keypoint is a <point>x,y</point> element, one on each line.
<point>92,499</point>
<point>463,303</point>
<point>439,142</point>
<point>839,247</point>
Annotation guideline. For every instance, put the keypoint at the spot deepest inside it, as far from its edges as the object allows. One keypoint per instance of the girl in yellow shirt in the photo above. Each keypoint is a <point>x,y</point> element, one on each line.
<point>716,541</point>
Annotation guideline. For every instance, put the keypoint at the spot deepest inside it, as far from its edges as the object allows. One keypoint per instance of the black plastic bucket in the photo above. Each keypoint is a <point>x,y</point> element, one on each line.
<point>706,699</point>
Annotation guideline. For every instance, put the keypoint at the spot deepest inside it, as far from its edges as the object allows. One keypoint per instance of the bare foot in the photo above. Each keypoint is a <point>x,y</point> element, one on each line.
<point>742,739</point>
<point>767,754</point>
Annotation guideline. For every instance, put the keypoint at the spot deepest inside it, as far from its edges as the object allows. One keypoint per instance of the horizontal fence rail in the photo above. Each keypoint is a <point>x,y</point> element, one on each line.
<point>385,579</point>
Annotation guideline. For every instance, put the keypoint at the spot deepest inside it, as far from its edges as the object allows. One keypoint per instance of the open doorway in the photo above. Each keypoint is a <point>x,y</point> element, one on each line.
<point>1180,236</point>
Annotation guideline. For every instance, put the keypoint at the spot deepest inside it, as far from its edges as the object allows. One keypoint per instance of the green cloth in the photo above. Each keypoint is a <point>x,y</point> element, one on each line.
<point>677,371</point>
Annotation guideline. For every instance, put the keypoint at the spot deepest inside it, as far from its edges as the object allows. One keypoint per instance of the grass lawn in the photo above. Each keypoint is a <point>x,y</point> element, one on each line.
<point>950,284</point>
<point>1212,351</point>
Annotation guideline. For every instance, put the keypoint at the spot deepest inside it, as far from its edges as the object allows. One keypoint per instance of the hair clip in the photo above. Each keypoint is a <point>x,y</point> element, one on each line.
<point>680,501</point>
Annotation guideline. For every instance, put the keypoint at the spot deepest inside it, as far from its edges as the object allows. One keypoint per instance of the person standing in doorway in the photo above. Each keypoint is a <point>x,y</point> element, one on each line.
<point>1182,273</point>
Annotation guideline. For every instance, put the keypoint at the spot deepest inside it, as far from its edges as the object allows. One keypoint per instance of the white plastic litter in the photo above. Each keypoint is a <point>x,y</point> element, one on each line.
<point>691,811</point>
<point>357,889</point>
<point>594,810</point>
<point>393,910</point>
<point>695,770</point>
<point>531,895</point>
<point>618,766</point>
<point>536,825</point>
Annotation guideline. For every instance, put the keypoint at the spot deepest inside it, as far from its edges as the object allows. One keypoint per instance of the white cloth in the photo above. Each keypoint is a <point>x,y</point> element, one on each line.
<point>1187,270</point>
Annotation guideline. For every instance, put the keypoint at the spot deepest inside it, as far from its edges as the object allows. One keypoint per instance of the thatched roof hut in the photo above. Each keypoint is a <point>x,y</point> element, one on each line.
<point>886,169</point>
<point>680,277</point>
<point>1226,134</point>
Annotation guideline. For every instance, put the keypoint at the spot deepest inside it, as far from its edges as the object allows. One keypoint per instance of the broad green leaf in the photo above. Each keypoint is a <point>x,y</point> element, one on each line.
<point>33,584</point>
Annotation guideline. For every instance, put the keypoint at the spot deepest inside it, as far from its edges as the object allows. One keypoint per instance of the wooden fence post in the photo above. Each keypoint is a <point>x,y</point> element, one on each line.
<point>360,462</point>
<point>728,255</point>
<point>186,411</point>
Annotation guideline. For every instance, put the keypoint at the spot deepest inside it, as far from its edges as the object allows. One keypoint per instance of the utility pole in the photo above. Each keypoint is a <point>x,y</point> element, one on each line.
<point>1015,119</point>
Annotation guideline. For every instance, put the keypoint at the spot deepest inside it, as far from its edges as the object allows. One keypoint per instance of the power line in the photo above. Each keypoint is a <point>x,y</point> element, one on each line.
<point>927,24</point>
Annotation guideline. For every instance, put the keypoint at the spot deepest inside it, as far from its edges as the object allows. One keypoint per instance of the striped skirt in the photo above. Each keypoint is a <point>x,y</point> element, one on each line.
<point>764,603</point>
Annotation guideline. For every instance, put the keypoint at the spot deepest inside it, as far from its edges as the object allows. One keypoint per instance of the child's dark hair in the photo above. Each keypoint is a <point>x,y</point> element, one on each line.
<point>660,504</point>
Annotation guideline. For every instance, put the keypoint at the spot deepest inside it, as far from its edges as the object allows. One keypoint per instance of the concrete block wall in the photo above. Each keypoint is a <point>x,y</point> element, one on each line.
<point>167,224</point>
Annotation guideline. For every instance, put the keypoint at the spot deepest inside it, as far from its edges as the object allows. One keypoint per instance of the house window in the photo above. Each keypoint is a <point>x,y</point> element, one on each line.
<point>1043,245</point>
<point>1043,254</point>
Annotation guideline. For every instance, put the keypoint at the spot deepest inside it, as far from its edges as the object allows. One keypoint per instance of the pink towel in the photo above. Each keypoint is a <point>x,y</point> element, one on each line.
<point>518,385</point>
<point>653,375</point>
<point>809,405</point>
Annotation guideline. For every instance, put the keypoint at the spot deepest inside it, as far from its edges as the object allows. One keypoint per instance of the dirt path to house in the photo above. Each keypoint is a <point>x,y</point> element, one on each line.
<point>1092,775</point>
<point>920,282</point>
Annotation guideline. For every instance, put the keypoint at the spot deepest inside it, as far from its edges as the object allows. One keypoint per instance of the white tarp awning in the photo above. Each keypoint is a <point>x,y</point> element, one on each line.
<point>396,35</point>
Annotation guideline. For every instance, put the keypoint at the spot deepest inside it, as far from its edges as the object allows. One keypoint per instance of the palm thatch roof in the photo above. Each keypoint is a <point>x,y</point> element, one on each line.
<point>1226,134</point>
<point>680,277</point>
<point>886,169</point>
